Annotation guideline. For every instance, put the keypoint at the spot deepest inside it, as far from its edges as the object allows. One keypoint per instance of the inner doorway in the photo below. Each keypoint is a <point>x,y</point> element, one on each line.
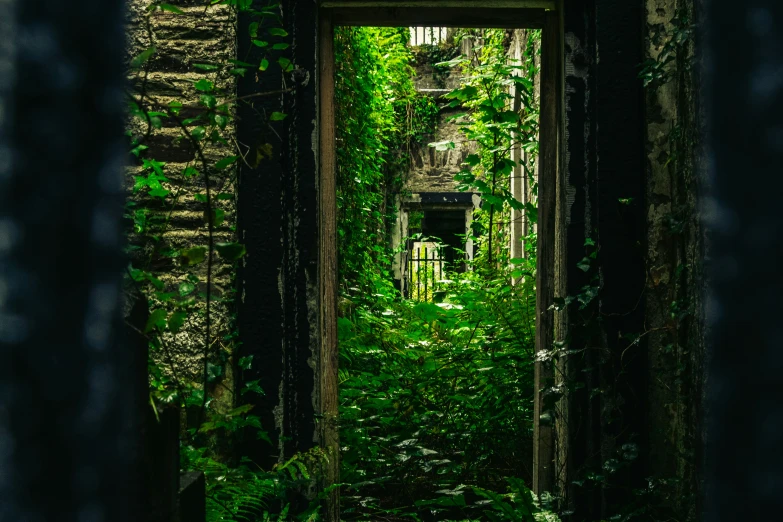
<point>345,13</point>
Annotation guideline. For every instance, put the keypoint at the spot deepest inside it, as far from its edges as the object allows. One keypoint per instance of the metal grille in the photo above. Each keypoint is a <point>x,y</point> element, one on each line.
<point>428,35</point>
<point>425,270</point>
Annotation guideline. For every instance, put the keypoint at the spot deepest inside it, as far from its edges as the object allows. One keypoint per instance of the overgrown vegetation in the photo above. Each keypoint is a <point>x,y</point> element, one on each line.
<point>190,326</point>
<point>436,397</point>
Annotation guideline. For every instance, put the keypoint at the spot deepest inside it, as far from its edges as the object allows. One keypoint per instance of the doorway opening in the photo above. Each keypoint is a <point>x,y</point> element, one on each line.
<point>429,366</point>
<point>433,240</point>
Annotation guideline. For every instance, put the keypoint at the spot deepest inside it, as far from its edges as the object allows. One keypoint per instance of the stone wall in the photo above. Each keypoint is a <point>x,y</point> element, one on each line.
<point>205,35</point>
<point>432,170</point>
<point>631,376</point>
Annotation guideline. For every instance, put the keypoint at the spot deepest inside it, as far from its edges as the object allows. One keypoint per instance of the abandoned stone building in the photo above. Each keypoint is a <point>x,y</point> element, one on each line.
<point>435,216</point>
<point>622,171</point>
<point>433,222</point>
<point>619,172</point>
<point>621,286</point>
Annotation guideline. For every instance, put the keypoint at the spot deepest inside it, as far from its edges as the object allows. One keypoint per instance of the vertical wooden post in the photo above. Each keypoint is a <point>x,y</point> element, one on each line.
<point>517,174</point>
<point>328,360</point>
<point>543,437</point>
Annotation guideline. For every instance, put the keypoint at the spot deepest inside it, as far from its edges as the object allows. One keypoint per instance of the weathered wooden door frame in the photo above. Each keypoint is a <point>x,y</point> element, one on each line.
<point>506,14</point>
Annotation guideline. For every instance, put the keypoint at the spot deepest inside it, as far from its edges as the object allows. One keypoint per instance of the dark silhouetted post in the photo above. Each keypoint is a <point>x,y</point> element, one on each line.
<point>745,114</point>
<point>67,410</point>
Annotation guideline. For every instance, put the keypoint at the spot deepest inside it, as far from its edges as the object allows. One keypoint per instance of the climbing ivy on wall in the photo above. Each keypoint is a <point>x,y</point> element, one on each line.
<point>419,382</point>
<point>184,251</point>
<point>590,373</point>
<point>493,125</point>
<point>435,397</point>
<point>379,114</point>
<point>436,56</point>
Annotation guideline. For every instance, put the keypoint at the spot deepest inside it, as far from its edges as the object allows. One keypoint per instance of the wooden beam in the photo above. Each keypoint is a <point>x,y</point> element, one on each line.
<point>543,417</point>
<point>500,18</point>
<point>327,215</point>
<point>440,4</point>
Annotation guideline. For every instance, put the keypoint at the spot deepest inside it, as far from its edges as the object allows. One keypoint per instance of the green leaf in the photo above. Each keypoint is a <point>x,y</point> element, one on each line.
<point>209,101</point>
<point>176,321</point>
<point>464,94</point>
<point>285,64</point>
<point>190,172</point>
<point>225,162</point>
<point>154,121</point>
<point>260,43</point>
<point>239,71</point>
<point>245,408</point>
<point>157,319</point>
<point>231,251</point>
<point>213,371</point>
<point>143,57</point>
<point>532,212</point>
<point>521,80</point>
<point>215,137</point>
<point>245,362</point>
<point>516,204</point>
<point>278,116</point>
<point>138,150</point>
<point>206,66</point>
<point>198,133</point>
<point>170,8</point>
<point>157,283</point>
<point>159,193</point>
<point>264,65</point>
<point>252,386</point>
<point>218,215</point>
<point>175,107</point>
<point>204,85</point>
<point>278,32</point>
<point>473,160</point>
<point>224,196</point>
<point>195,255</point>
<point>496,201</point>
<point>186,288</point>
<point>165,297</point>
<point>280,46</point>
<point>584,265</point>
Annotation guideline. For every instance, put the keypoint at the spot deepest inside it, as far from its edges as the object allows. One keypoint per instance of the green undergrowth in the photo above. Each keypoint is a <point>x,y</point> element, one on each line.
<point>186,285</point>
<point>436,395</point>
<point>436,398</point>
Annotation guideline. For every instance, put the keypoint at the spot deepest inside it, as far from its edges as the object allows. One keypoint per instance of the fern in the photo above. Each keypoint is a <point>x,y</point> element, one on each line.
<point>519,505</point>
